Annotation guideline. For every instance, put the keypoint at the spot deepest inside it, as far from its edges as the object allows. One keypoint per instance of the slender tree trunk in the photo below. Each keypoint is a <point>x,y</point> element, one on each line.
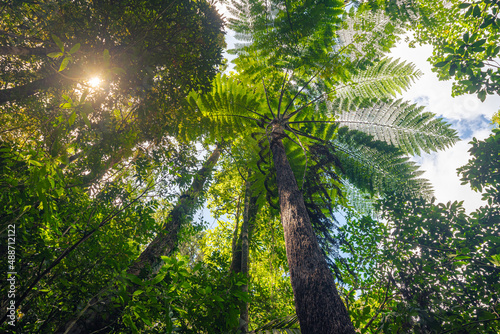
<point>26,51</point>
<point>318,305</point>
<point>249,216</point>
<point>24,91</point>
<point>236,244</point>
<point>241,253</point>
<point>99,312</point>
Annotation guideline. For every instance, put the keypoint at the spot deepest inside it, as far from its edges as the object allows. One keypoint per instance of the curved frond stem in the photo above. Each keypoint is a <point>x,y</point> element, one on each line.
<point>268,134</point>
<point>267,99</point>
<point>316,99</point>
<point>282,92</point>
<point>308,136</point>
<point>305,153</point>
<point>251,118</point>
<point>253,112</point>
<point>300,91</point>
<point>298,122</point>
<point>237,167</point>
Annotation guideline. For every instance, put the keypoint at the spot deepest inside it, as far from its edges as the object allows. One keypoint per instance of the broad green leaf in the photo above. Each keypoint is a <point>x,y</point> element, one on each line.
<point>75,48</point>
<point>106,57</point>
<point>55,54</point>
<point>86,119</point>
<point>58,42</point>
<point>64,64</point>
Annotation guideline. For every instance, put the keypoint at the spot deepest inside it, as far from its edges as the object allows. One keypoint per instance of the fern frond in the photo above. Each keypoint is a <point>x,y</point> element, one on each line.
<point>406,126</point>
<point>384,79</point>
<point>229,109</point>
<point>377,167</point>
<point>361,202</point>
<point>367,35</point>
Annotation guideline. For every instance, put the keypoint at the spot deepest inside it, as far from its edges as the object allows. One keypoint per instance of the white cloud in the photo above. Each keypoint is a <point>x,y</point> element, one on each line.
<point>437,94</point>
<point>467,115</point>
<point>441,170</point>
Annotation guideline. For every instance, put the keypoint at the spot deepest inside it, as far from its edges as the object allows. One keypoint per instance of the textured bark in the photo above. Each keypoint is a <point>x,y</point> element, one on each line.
<point>26,51</point>
<point>99,312</point>
<point>24,91</point>
<point>318,305</point>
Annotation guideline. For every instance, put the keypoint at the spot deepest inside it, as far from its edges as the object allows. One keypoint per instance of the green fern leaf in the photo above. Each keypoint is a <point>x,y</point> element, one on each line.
<point>406,126</point>
<point>377,167</point>
<point>384,79</point>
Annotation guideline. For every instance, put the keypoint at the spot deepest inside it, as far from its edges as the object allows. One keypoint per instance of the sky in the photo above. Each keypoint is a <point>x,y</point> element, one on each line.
<point>466,113</point>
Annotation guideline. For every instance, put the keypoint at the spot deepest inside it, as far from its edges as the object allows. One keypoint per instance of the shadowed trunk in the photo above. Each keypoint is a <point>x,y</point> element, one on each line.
<point>24,91</point>
<point>26,51</point>
<point>99,314</point>
<point>241,252</point>
<point>317,302</point>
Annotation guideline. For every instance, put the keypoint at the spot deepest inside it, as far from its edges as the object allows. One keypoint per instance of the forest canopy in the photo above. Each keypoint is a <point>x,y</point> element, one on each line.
<point>147,188</point>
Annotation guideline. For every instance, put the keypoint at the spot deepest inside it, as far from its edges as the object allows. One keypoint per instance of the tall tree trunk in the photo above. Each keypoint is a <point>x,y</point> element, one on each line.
<point>26,51</point>
<point>318,305</point>
<point>241,253</point>
<point>99,312</point>
<point>29,89</point>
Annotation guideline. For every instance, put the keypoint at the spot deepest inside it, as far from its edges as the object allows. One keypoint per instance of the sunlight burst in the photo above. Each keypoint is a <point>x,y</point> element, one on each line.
<point>94,82</point>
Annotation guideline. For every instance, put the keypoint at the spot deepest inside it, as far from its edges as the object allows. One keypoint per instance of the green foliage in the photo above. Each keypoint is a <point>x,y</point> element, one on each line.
<point>367,35</point>
<point>465,40</point>
<point>482,172</point>
<point>288,34</point>
<point>183,297</point>
<point>397,123</point>
<point>428,267</point>
<point>385,78</point>
<point>81,166</point>
<point>69,244</point>
<point>377,167</point>
<point>269,287</point>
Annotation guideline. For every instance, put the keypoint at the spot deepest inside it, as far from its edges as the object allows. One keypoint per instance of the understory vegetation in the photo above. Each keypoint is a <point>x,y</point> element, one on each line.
<point>147,185</point>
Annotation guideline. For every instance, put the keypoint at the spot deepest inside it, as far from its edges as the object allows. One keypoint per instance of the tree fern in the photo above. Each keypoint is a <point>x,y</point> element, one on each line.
<point>367,35</point>
<point>406,126</point>
<point>377,167</point>
<point>386,78</point>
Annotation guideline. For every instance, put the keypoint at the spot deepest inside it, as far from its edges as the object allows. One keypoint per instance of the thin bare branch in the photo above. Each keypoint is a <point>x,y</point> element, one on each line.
<point>305,154</point>
<point>282,92</point>
<point>267,99</point>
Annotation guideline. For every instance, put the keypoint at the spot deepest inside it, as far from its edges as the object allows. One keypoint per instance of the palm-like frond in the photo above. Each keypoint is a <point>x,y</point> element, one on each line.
<point>288,325</point>
<point>384,79</point>
<point>377,167</point>
<point>228,109</point>
<point>367,35</point>
<point>406,126</point>
<point>362,202</point>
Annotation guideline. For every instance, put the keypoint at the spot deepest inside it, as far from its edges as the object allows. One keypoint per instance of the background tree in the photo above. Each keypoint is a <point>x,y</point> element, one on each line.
<point>82,163</point>
<point>432,268</point>
<point>464,36</point>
